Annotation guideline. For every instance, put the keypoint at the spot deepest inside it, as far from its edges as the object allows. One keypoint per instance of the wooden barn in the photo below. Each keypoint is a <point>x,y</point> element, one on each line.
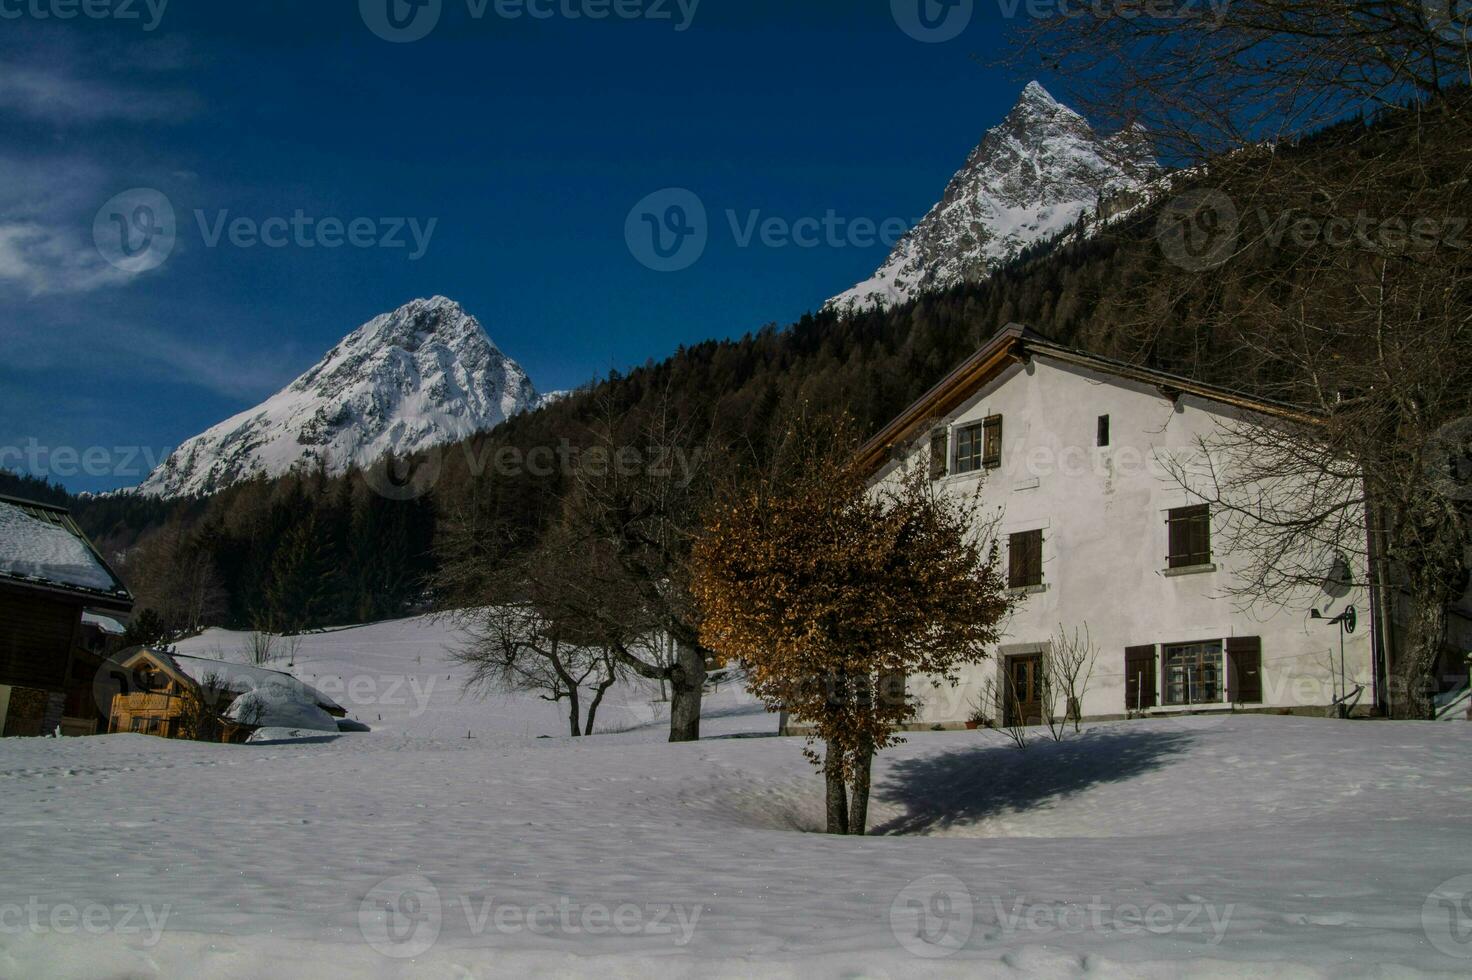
<point>51,579</point>
<point>176,696</point>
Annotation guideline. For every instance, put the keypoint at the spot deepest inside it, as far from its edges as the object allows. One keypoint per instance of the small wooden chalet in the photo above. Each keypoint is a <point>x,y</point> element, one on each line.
<point>51,579</point>
<point>172,695</point>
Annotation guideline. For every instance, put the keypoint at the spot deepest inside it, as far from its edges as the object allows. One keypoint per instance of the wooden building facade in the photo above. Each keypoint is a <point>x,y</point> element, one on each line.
<point>50,576</point>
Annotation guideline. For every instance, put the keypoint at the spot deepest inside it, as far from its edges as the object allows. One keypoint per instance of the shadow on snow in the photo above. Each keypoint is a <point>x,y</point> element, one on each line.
<point>969,785</point>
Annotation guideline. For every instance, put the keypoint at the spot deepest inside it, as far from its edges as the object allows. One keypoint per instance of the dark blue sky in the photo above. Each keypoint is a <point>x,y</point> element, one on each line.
<point>528,141</point>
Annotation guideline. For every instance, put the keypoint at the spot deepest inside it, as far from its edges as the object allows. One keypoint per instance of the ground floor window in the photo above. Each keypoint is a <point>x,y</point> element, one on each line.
<point>1193,673</point>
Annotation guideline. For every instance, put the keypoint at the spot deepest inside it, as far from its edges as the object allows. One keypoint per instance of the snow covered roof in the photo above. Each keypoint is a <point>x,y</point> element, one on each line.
<point>106,624</point>
<point>41,545</point>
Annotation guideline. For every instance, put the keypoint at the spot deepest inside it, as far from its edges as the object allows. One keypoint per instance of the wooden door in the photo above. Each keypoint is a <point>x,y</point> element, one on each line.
<point>1025,690</point>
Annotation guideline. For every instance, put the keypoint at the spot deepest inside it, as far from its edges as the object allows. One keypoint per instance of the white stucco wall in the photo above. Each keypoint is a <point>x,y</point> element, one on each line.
<point>1103,516</point>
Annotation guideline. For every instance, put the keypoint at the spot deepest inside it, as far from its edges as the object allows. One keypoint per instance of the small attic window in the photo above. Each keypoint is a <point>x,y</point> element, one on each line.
<point>1103,430</point>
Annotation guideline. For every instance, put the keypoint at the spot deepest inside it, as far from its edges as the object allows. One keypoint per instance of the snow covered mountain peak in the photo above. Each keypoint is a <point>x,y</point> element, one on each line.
<point>1040,171</point>
<point>424,375</point>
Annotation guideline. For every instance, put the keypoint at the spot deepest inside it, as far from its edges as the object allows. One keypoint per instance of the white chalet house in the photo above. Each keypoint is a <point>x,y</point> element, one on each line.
<point>1065,447</point>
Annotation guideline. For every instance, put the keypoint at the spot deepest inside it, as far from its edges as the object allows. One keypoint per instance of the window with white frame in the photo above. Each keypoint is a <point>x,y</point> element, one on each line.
<point>1193,673</point>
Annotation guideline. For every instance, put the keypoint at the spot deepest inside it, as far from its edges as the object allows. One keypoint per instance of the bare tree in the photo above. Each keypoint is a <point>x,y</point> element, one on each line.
<point>513,648</point>
<point>639,498</point>
<point>1009,723</point>
<point>1068,667</point>
<point>203,707</point>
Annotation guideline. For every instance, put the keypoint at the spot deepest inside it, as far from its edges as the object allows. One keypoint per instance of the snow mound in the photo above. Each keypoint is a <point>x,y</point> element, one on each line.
<point>280,705</point>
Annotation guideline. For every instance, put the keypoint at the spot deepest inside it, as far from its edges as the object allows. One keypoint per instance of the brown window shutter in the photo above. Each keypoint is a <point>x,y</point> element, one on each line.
<point>1244,669</point>
<point>1025,559</point>
<point>1190,536</point>
<point>991,451</point>
<point>1139,678</point>
<point>939,453</point>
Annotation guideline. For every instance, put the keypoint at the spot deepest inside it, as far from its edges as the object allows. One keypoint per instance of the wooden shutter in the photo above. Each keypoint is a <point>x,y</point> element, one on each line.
<point>1025,559</point>
<point>1190,536</point>
<point>1244,669</point>
<point>1139,678</point>
<point>991,452</point>
<point>939,453</point>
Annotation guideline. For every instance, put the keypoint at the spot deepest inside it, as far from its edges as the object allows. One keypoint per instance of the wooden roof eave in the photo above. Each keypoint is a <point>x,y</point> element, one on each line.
<point>954,389</point>
<point>1017,345</point>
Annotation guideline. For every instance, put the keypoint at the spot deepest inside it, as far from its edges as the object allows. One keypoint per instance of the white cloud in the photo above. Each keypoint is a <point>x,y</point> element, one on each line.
<point>43,260</point>
<point>47,206</point>
<point>55,95</point>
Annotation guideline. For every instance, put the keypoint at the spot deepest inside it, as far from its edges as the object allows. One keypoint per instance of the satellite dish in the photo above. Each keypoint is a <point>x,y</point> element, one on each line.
<point>1351,620</point>
<point>1340,578</point>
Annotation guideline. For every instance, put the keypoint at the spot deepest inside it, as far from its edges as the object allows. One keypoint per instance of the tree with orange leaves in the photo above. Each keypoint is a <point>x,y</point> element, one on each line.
<point>831,592</point>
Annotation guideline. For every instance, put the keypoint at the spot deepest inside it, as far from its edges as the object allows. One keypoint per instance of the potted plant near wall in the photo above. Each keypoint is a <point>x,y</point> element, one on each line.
<point>978,717</point>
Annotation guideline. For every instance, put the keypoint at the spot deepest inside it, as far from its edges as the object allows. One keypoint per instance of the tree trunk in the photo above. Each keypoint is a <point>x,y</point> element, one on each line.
<point>858,805</point>
<point>573,712</point>
<point>1425,635</point>
<point>687,682</point>
<point>837,791</point>
<point>608,679</point>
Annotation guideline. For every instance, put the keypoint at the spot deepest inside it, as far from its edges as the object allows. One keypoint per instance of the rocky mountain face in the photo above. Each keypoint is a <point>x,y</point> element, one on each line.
<point>423,375</point>
<point>1039,173</point>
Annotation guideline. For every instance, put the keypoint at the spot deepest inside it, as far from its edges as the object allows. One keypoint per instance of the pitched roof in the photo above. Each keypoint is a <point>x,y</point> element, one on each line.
<point>1017,344</point>
<point>42,548</point>
<point>233,677</point>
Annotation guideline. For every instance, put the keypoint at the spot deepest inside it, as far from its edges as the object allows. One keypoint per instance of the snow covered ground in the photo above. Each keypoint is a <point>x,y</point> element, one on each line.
<point>1210,846</point>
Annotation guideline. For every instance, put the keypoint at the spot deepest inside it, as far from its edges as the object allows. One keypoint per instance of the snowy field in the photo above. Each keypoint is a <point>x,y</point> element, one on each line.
<point>1202,846</point>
